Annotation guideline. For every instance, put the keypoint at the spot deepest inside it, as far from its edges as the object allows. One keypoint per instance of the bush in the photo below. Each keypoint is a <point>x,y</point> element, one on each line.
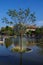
<point>8,42</point>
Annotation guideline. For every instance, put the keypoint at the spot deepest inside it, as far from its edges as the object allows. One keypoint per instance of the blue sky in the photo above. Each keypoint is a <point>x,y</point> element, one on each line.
<point>34,5</point>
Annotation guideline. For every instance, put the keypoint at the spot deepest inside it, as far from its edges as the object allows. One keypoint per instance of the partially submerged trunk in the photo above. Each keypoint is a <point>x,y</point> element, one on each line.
<point>20,41</point>
<point>21,48</point>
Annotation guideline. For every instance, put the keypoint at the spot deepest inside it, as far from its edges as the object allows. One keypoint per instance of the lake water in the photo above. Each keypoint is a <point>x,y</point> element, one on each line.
<point>35,57</point>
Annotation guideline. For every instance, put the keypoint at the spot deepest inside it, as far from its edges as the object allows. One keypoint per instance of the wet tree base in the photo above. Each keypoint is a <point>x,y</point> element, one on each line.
<point>20,50</point>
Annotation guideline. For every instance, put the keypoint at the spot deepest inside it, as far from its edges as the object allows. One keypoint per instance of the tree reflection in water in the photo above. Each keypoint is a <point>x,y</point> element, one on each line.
<point>40,50</point>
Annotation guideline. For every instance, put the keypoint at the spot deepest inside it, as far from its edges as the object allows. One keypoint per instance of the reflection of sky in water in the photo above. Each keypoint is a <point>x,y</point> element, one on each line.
<point>33,56</point>
<point>4,51</point>
<point>9,58</point>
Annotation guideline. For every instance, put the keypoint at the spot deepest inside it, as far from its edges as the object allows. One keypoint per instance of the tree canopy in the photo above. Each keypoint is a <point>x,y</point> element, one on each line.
<point>19,18</point>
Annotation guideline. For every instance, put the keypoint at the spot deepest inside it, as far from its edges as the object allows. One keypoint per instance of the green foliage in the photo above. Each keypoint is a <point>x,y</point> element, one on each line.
<point>19,29</point>
<point>7,30</point>
<point>8,42</point>
<point>39,30</point>
<point>39,33</point>
<point>32,17</point>
<point>29,32</point>
<point>19,16</point>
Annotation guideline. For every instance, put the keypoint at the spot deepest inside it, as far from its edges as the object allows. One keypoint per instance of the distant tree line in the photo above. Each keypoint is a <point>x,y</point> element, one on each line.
<point>7,31</point>
<point>39,35</point>
<point>11,31</point>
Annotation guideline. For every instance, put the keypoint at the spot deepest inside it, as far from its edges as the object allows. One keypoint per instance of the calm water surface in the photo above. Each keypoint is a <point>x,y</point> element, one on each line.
<point>30,58</point>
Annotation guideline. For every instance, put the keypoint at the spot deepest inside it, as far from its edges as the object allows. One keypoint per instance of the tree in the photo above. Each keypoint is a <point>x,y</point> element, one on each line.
<point>19,19</point>
<point>7,30</point>
<point>39,31</point>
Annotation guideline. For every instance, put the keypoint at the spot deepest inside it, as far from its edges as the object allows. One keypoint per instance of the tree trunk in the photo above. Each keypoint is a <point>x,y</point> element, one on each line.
<point>20,41</point>
<point>21,49</point>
